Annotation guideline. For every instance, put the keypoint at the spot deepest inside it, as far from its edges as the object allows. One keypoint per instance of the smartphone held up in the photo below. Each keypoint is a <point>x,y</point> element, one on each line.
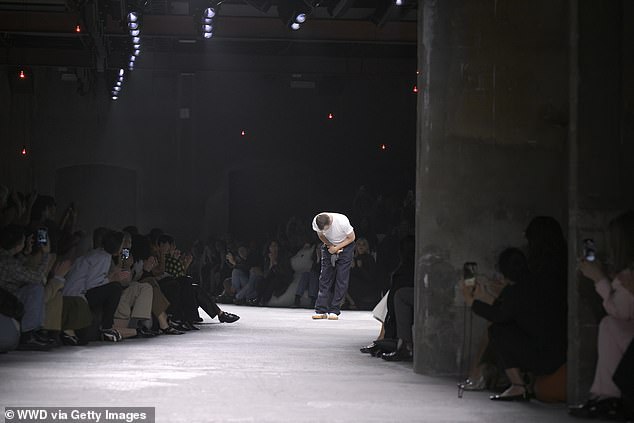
<point>469,270</point>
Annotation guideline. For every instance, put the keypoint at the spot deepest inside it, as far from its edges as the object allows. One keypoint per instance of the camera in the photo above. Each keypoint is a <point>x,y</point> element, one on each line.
<point>589,250</point>
<point>125,253</point>
<point>42,236</point>
<point>469,270</point>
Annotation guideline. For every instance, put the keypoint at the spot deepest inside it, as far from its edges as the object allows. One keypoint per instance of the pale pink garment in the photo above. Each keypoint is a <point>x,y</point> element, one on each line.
<point>616,331</point>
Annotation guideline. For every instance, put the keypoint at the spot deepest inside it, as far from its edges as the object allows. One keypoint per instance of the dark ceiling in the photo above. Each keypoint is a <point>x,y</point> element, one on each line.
<point>42,32</point>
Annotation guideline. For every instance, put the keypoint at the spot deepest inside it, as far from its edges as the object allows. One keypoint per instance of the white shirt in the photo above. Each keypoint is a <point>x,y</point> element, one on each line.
<point>88,271</point>
<point>339,228</point>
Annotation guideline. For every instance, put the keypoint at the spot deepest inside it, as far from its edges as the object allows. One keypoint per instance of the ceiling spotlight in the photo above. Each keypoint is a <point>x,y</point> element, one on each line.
<point>399,2</point>
<point>295,26</point>
<point>78,28</point>
<point>117,89</point>
<point>118,84</point>
<point>300,18</point>
<point>131,65</point>
<point>22,75</point>
<point>208,21</point>
<point>133,17</point>
<point>137,52</point>
<point>114,97</point>
<point>133,25</point>
<point>208,35</point>
<point>121,72</point>
<point>207,28</point>
<point>132,58</point>
<point>136,40</point>
<point>135,32</point>
<point>136,46</point>
<point>209,12</point>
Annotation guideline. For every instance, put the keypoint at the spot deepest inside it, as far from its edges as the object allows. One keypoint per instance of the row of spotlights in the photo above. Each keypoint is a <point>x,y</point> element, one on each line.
<point>207,22</point>
<point>300,18</point>
<point>116,90</point>
<point>134,26</point>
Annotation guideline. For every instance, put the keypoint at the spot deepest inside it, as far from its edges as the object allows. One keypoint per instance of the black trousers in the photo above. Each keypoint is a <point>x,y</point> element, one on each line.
<point>515,349</point>
<point>105,297</point>
<point>180,293</point>
<point>205,301</point>
<point>404,313</point>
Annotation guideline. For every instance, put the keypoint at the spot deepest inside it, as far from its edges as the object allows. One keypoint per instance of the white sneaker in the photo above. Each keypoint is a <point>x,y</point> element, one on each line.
<point>333,316</point>
<point>318,316</point>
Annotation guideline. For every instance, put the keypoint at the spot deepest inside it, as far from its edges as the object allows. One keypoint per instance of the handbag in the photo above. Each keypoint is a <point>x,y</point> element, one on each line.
<point>380,310</point>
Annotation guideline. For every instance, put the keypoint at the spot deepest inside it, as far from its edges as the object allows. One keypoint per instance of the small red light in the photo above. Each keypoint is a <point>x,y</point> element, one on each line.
<point>22,75</point>
<point>383,147</point>
<point>78,29</point>
<point>330,116</point>
<point>23,152</point>
<point>243,133</point>
<point>415,89</point>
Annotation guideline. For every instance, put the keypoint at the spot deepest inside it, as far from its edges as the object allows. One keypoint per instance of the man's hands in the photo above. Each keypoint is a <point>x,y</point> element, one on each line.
<point>333,249</point>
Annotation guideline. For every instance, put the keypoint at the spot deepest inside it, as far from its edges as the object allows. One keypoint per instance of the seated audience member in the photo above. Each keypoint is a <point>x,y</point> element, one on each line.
<point>176,267</point>
<point>15,208</point>
<point>11,312</point>
<point>135,305</point>
<point>547,262</point>
<point>89,278</point>
<point>616,330</point>
<point>144,263</point>
<point>27,285</point>
<point>276,273</point>
<point>309,256</point>
<point>403,277</point>
<point>363,292</point>
<point>404,314</point>
<point>243,274</point>
<point>519,333</point>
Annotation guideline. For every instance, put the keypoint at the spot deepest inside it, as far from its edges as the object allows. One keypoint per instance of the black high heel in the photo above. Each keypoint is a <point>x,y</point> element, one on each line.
<point>525,396</point>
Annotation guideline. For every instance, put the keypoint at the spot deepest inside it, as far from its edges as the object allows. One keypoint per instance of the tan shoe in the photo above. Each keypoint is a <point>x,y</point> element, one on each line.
<point>319,316</point>
<point>333,316</point>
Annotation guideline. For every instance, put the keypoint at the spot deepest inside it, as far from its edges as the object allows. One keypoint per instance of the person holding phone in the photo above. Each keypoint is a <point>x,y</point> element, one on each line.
<point>517,332</point>
<point>337,235</point>
<point>616,330</point>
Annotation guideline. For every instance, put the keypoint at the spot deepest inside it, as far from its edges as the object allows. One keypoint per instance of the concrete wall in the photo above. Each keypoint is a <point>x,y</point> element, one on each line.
<point>526,110</point>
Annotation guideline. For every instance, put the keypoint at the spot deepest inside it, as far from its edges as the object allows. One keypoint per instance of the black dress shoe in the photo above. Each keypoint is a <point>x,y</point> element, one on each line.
<point>171,331</point>
<point>605,409</point>
<point>225,317</point>
<point>189,326</point>
<point>399,355</point>
<point>144,332</point>
<point>370,349</point>
<point>70,340</point>
<point>524,396</point>
<point>28,342</point>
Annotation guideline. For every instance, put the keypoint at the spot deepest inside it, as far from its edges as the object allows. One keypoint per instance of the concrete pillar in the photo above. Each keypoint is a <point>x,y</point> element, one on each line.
<point>492,132</point>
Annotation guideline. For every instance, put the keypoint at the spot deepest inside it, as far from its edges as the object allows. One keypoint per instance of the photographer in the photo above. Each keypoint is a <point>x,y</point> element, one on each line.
<point>616,330</point>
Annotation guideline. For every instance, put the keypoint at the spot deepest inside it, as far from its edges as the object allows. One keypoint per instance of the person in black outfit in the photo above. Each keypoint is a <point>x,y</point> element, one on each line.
<point>520,332</point>
<point>277,274</point>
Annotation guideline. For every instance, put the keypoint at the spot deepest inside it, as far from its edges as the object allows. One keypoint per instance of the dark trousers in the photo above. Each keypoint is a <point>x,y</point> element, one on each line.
<point>333,281</point>
<point>206,301</point>
<point>182,297</point>
<point>105,297</point>
<point>404,313</point>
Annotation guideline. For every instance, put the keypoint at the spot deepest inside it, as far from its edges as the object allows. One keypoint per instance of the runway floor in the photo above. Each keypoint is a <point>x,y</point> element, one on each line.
<point>273,365</point>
